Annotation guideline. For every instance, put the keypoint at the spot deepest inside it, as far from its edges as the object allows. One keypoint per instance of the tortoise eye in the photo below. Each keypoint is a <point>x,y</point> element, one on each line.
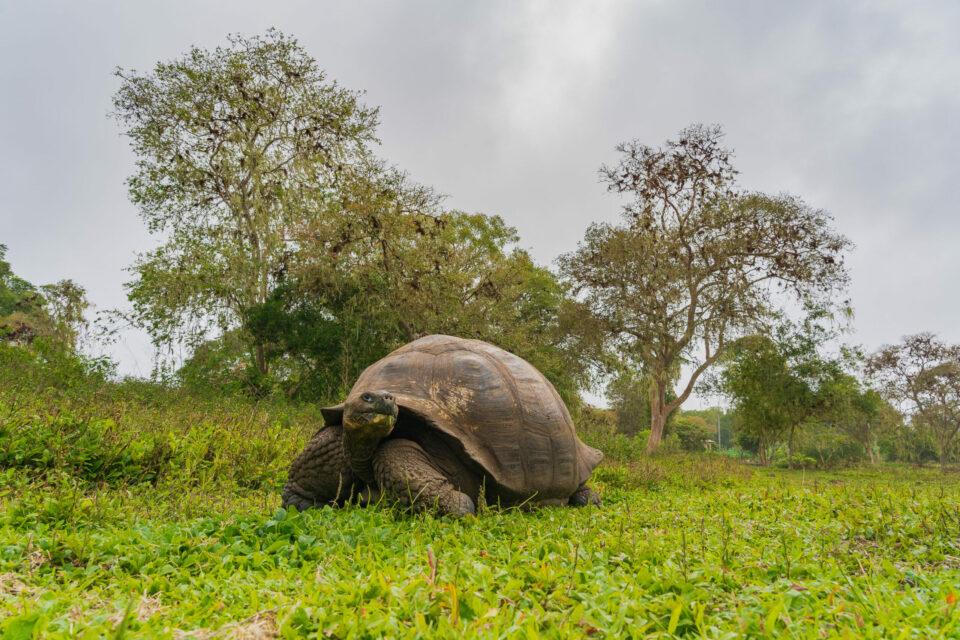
<point>367,397</point>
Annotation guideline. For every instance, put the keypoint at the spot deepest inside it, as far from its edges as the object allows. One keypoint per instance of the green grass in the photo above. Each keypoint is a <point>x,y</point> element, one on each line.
<point>714,552</point>
<point>135,513</point>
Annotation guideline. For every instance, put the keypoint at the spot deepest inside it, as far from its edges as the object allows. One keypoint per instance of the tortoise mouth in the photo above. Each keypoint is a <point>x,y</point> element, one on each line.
<point>371,419</point>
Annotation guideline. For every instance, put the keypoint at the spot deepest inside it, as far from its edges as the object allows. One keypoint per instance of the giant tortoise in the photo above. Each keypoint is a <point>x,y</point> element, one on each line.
<point>441,423</point>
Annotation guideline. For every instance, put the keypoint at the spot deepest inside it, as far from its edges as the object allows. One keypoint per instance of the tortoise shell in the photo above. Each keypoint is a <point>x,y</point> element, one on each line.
<point>507,417</point>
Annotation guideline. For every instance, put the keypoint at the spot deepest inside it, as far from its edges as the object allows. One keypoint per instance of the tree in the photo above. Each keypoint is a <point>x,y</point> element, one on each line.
<point>398,277</point>
<point>769,399</point>
<point>22,314</point>
<point>922,375</point>
<point>627,393</point>
<point>693,264</point>
<point>715,416</point>
<point>860,413</point>
<point>779,382</point>
<point>28,312</point>
<point>237,148</point>
<point>66,304</point>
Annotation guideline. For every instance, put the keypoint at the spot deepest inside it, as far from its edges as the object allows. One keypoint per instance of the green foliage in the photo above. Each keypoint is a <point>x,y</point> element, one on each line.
<point>826,446</point>
<point>922,374</point>
<point>16,294</point>
<point>769,395</point>
<point>59,415</point>
<point>66,304</point>
<point>784,391</point>
<point>725,419</point>
<point>47,364</point>
<point>798,461</point>
<point>591,420</point>
<point>239,151</point>
<point>693,432</point>
<point>629,396</point>
<point>54,311</point>
<point>463,277</point>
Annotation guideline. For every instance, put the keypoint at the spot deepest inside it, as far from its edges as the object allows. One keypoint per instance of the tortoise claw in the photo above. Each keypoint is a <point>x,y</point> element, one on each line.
<point>456,504</point>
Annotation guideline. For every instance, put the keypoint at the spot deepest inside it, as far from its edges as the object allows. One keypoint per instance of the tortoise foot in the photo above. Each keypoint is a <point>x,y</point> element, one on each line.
<point>584,496</point>
<point>455,504</point>
<point>292,498</point>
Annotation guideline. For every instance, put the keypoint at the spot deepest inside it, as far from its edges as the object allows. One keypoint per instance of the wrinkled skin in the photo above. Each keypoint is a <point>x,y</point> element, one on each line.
<point>367,457</point>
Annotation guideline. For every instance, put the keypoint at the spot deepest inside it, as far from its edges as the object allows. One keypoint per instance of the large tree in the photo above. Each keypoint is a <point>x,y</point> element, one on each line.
<point>399,276</point>
<point>237,148</point>
<point>697,261</point>
<point>922,375</point>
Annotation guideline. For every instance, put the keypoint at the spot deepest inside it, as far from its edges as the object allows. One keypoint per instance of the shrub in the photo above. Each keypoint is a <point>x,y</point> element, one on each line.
<point>796,461</point>
<point>692,432</point>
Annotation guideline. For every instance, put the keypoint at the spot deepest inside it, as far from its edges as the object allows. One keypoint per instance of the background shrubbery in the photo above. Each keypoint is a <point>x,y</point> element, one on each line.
<point>58,413</point>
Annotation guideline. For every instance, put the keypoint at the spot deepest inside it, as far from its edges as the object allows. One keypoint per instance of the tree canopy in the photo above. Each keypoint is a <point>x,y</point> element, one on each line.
<point>292,256</point>
<point>238,148</point>
<point>922,375</point>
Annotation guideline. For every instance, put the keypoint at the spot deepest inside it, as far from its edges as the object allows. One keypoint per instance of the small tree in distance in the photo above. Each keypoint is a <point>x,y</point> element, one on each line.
<point>922,375</point>
<point>689,270</point>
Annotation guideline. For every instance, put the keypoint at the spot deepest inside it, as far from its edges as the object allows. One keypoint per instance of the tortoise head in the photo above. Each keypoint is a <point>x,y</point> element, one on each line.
<point>370,415</point>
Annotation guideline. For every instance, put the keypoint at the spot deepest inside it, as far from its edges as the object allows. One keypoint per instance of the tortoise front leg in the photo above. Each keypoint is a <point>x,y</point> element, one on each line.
<point>407,474</point>
<point>320,474</point>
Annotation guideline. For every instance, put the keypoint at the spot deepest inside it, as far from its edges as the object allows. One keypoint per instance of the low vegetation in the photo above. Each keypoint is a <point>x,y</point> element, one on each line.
<point>133,510</point>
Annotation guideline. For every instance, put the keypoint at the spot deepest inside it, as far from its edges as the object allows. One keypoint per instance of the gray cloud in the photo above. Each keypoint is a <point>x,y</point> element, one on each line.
<point>511,107</point>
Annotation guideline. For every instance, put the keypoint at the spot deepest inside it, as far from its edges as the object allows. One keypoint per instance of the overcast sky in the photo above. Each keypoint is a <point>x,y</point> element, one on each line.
<point>510,108</point>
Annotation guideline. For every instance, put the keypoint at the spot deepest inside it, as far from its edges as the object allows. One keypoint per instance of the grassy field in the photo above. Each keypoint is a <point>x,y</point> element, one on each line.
<point>122,517</point>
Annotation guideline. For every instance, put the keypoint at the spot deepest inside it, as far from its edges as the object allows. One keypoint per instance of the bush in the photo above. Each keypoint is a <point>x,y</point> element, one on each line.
<point>828,446</point>
<point>590,420</point>
<point>59,415</point>
<point>796,461</point>
<point>616,446</point>
<point>45,364</point>
<point>692,432</point>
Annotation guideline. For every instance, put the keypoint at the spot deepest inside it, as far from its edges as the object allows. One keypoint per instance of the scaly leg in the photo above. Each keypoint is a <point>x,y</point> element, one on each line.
<point>320,475</point>
<point>406,473</point>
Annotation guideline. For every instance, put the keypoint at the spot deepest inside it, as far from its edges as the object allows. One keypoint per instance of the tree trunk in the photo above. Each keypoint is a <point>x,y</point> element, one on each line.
<point>260,355</point>
<point>793,430</point>
<point>658,414</point>
<point>657,422</point>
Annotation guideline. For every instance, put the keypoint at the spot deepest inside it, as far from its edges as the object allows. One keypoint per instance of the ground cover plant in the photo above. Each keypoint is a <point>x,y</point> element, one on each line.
<point>127,513</point>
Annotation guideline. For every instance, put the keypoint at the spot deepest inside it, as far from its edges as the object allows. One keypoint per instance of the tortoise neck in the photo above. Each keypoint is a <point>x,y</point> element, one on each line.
<point>360,447</point>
